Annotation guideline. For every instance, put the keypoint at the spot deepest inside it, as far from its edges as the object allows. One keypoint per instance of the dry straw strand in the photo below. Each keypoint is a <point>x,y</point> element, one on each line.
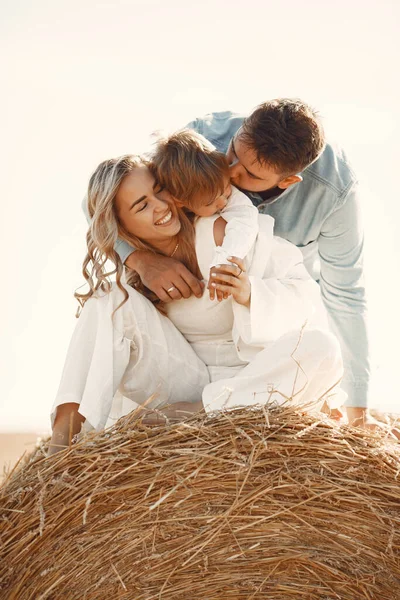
<point>266,503</point>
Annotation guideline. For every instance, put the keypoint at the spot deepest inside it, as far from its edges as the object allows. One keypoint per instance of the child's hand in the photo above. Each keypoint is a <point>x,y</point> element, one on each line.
<point>232,280</point>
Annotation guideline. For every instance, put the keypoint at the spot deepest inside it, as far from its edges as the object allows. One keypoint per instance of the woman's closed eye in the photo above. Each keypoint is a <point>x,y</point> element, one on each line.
<point>142,207</point>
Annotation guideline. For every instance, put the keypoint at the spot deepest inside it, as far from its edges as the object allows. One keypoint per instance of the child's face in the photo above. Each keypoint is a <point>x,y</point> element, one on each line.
<point>207,209</point>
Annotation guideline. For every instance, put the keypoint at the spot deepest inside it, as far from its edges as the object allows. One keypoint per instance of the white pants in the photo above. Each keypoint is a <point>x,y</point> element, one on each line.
<point>140,353</point>
<point>301,368</point>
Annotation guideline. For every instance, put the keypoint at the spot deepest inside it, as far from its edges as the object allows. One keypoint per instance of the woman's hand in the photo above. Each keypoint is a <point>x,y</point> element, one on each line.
<point>232,280</point>
<point>68,422</point>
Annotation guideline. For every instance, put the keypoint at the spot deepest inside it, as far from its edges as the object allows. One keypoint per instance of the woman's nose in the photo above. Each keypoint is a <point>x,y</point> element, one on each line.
<point>159,205</point>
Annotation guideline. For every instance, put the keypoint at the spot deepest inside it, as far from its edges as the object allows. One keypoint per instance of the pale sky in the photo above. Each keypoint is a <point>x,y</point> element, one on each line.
<point>84,81</point>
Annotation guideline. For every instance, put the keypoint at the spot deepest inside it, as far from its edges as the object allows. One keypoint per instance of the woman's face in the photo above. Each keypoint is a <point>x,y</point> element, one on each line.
<point>142,210</point>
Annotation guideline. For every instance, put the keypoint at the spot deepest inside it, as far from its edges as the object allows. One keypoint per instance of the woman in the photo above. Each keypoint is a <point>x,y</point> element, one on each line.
<point>251,348</point>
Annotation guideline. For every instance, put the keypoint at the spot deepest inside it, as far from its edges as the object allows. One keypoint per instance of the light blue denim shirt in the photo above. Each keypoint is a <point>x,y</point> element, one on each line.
<point>322,216</point>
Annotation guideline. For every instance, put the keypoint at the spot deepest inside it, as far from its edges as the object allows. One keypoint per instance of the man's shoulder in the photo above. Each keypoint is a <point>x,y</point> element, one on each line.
<point>333,170</point>
<point>218,127</point>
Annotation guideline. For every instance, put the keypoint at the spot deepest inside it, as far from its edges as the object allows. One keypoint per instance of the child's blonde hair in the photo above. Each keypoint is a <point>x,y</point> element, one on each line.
<point>190,168</point>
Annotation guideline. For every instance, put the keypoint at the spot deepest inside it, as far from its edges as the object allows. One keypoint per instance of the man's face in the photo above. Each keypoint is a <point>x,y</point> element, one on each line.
<point>246,172</point>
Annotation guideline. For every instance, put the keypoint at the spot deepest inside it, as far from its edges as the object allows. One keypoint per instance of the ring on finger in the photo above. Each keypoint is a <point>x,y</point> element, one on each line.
<point>240,272</point>
<point>171,289</point>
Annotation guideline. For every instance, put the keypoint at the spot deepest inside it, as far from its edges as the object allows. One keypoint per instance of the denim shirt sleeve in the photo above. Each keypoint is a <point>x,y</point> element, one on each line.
<point>340,247</point>
<point>122,248</point>
<point>218,128</point>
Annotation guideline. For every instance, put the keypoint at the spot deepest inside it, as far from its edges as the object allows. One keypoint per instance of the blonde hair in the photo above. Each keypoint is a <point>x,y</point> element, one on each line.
<point>190,168</point>
<point>106,229</point>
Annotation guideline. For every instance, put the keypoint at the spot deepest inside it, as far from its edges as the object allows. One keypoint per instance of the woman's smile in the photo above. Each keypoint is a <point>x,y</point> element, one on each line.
<point>164,220</point>
<point>144,210</point>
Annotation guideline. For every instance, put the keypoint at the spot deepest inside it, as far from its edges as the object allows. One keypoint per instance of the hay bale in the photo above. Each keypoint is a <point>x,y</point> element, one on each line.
<point>272,504</point>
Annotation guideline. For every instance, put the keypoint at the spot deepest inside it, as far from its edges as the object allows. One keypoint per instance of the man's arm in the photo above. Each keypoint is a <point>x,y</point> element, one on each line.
<point>241,218</point>
<point>160,273</point>
<point>282,300</point>
<point>340,247</point>
<point>122,248</point>
<point>218,127</point>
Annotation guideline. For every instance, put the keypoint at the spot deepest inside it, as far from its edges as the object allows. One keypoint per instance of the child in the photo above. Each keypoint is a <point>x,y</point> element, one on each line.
<point>196,175</point>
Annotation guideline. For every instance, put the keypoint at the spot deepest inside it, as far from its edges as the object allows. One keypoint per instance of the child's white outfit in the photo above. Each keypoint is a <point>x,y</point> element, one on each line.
<point>241,229</point>
<point>226,354</point>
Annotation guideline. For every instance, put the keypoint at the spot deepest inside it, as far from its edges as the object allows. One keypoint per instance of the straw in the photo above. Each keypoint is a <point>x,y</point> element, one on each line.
<point>270,503</point>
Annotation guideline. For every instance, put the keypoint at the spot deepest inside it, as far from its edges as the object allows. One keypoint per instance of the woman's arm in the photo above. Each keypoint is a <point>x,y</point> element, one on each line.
<point>67,423</point>
<point>280,300</point>
<point>98,355</point>
<point>283,299</point>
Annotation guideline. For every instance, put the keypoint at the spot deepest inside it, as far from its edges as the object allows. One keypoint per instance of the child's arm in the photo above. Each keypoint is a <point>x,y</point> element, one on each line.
<point>241,229</point>
<point>240,233</point>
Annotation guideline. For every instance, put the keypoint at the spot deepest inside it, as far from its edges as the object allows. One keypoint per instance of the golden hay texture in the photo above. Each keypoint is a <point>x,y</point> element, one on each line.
<point>268,503</point>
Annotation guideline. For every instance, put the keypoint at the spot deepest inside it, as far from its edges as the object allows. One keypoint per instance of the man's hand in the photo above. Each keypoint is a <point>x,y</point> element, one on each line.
<point>168,278</point>
<point>360,417</point>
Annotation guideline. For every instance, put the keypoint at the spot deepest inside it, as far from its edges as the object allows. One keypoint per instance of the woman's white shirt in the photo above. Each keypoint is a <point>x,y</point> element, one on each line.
<point>140,352</point>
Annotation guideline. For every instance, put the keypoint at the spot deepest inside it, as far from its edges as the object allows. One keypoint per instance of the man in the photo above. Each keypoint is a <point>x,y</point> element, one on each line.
<point>279,158</point>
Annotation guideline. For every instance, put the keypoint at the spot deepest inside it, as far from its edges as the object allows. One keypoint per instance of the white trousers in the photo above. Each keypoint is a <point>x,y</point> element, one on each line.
<point>300,367</point>
<point>117,360</point>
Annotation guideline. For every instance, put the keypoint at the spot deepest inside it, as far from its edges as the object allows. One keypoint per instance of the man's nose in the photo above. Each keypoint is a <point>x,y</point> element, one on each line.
<point>234,168</point>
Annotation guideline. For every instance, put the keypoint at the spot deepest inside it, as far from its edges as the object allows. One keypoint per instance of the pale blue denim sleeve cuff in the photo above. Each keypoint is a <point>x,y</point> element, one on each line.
<point>123,250</point>
<point>357,395</point>
<point>342,286</point>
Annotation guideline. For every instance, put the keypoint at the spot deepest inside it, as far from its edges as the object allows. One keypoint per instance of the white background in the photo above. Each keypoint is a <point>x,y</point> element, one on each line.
<point>83,81</point>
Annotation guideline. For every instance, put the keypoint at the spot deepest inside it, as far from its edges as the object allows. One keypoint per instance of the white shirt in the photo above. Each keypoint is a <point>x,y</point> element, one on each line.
<point>241,229</point>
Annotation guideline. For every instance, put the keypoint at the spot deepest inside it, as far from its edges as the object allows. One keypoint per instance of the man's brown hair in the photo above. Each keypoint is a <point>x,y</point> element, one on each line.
<point>286,134</point>
<point>190,168</point>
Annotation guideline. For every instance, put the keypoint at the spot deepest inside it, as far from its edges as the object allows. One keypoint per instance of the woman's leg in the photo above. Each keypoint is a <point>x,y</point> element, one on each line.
<point>300,368</point>
<point>164,369</point>
<point>135,349</point>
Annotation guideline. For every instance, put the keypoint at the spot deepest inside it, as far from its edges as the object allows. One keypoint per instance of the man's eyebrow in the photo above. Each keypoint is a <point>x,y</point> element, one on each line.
<point>137,201</point>
<point>249,172</point>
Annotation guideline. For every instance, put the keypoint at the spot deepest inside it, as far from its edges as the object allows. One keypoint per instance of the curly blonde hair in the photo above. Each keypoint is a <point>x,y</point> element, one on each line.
<point>106,229</point>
